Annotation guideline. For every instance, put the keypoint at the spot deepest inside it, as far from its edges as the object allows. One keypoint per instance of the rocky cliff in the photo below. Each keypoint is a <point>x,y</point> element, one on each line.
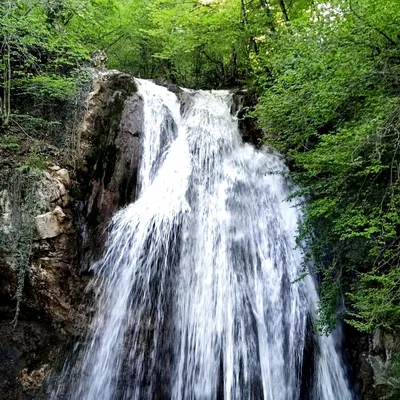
<point>75,201</point>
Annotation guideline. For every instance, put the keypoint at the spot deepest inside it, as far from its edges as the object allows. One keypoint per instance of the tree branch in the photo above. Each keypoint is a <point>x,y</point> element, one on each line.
<point>284,11</point>
<point>388,38</point>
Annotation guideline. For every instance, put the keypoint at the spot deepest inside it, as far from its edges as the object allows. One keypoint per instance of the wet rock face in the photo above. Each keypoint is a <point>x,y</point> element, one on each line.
<point>243,102</point>
<point>172,87</point>
<point>77,202</point>
<point>370,359</point>
<point>52,302</point>
<point>383,347</point>
<point>115,174</point>
<point>110,145</point>
<point>24,359</point>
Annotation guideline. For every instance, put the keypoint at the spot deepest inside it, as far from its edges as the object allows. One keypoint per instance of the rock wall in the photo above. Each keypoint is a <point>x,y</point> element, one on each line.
<point>370,358</point>
<point>77,201</point>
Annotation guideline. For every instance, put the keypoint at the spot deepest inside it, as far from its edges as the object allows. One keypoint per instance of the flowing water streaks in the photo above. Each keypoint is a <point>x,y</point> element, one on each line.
<point>197,300</point>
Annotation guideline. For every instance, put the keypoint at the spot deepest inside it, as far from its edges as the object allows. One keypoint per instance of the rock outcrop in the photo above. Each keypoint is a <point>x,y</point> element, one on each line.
<point>382,349</point>
<point>109,146</point>
<point>77,201</point>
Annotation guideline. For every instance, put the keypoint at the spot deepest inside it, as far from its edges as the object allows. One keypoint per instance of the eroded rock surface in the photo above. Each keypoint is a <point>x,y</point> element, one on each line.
<point>76,202</point>
<point>383,347</point>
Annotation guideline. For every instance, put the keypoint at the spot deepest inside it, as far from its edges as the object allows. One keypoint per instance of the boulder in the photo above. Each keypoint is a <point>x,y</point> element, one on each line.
<point>51,224</point>
<point>63,176</point>
<point>5,212</point>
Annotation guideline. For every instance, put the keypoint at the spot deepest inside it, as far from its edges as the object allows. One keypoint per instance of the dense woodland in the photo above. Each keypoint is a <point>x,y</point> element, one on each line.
<point>327,79</point>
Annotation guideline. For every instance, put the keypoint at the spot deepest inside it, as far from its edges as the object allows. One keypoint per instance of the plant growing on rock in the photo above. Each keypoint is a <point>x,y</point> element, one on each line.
<point>18,230</point>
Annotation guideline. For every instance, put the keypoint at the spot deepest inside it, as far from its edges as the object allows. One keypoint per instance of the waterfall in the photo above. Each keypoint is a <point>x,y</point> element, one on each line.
<point>197,291</point>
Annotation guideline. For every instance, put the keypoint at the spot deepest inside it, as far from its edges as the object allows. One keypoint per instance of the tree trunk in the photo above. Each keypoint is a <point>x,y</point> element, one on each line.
<point>283,9</point>
<point>8,99</point>
<point>6,103</point>
<point>243,10</point>
<point>267,10</point>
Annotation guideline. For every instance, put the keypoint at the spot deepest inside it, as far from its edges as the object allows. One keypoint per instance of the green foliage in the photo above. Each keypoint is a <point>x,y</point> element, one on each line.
<point>44,54</point>
<point>377,302</point>
<point>34,162</point>
<point>330,102</point>
<point>202,44</point>
<point>328,308</point>
<point>44,43</point>
<point>47,87</point>
<point>191,43</point>
<point>9,142</point>
<point>394,379</point>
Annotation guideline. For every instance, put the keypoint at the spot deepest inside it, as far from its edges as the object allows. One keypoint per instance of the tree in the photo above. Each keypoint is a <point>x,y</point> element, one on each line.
<point>331,104</point>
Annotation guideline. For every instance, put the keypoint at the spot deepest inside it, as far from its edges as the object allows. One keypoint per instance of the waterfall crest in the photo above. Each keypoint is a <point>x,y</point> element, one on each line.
<point>196,299</point>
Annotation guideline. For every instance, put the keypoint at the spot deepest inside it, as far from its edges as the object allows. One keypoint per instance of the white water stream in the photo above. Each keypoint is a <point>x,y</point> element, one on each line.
<point>197,300</point>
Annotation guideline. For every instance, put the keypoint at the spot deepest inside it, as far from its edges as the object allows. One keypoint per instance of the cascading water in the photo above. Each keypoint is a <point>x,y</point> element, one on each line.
<point>196,299</point>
